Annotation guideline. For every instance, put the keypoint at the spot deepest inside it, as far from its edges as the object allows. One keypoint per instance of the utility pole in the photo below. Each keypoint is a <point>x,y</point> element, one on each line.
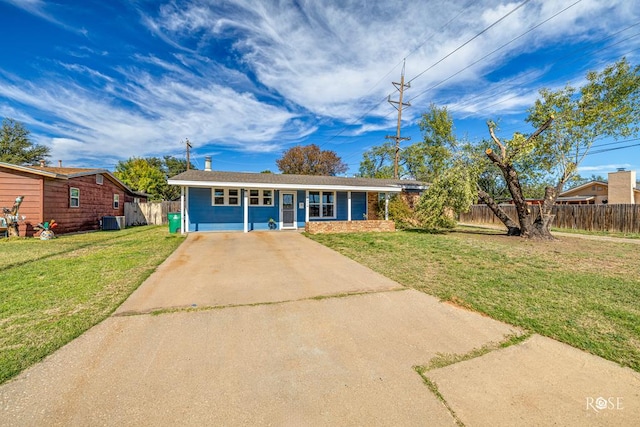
<point>188,158</point>
<point>398,106</point>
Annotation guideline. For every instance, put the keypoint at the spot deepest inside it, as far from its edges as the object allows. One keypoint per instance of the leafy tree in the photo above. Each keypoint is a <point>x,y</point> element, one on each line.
<point>453,192</point>
<point>424,160</point>
<point>171,167</point>
<point>143,175</point>
<point>568,121</point>
<point>15,146</point>
<point>150,175</point>
<point>377,162</point>
<point>310,160</point>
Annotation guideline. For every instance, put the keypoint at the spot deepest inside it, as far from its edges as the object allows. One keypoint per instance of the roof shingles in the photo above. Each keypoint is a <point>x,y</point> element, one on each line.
<point>290,179</point>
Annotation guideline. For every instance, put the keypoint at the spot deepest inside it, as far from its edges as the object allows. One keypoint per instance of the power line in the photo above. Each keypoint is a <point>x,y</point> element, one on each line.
<point>576,59</point>
<point>472,39</point>
<point>353,122</point>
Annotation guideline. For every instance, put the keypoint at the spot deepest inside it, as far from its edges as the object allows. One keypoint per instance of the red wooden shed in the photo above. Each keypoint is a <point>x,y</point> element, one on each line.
<point>77,198</point>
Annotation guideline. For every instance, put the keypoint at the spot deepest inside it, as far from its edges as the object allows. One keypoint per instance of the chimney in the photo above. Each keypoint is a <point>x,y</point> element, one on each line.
<point>621,184</point>
<point>42,163</point>
<point>207,163</point>
<point>59,163</point>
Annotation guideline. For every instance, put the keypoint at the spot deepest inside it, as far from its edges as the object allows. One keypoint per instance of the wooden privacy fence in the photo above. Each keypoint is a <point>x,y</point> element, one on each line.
<point>149,213</point>
<point>620,218</point>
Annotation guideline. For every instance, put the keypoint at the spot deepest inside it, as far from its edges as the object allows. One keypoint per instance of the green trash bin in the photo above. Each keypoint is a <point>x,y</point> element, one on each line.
<point>174,221</point>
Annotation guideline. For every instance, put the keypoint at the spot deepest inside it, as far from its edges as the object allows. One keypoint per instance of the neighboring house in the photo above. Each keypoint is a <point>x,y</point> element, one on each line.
<point>248,201</point>
<point>621,188</point>
<point>77,198</point>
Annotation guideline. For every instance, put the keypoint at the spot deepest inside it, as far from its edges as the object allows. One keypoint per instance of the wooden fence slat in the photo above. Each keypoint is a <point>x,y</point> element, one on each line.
<point>152,213</point>
<point>619,218</point>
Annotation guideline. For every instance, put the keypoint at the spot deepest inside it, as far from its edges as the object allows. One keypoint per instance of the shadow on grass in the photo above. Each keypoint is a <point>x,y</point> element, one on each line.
<point>458,230</point>
<point>425,230</point>
<point>480,231</point>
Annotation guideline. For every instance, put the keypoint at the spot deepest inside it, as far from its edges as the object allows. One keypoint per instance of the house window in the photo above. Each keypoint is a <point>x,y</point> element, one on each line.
<point>261,197</point>
<point>225,197</point>
<point>99,179</point>
<point>74,197</point>
<point>116,201</point>
<point>218,196</point>
<point>234,196</point>
<point>322,204</point>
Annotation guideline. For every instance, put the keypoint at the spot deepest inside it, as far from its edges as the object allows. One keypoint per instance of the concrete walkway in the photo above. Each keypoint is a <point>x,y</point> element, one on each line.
<point>275,329</point>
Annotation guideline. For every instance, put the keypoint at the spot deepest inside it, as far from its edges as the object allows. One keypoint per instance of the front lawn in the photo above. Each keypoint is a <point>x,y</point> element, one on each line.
<point>53,291</point>
<point>585,293</point>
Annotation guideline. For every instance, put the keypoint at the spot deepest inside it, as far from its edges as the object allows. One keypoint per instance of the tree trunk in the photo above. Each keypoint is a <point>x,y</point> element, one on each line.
<point>512,227</point>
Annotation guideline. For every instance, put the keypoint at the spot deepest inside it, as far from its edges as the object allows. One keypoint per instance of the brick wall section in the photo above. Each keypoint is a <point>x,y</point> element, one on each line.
<point>318,227</point>
<point>621,185</point>
<point>412,199</point>
<point>372,205</point>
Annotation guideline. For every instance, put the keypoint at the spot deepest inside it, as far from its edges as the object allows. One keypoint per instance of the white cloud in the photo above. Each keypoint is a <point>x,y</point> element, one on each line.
<point>88,126</point>
<point>256,75</point>
<point>326,56</point>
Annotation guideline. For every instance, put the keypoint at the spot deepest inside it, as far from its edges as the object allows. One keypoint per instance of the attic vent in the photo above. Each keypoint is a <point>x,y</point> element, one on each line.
<point>99,179</point>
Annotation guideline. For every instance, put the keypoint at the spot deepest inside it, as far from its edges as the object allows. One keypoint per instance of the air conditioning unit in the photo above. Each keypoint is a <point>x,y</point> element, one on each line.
<point>113,223</point>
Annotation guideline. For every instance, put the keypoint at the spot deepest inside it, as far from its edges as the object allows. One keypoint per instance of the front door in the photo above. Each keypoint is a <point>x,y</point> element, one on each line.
<point>288,210</point>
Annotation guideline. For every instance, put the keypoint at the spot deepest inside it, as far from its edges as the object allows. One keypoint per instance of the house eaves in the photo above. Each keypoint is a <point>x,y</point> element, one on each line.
<point>580,187</point>
<point>68,173</point>
<point>289,182</point>
<point>33,170</point>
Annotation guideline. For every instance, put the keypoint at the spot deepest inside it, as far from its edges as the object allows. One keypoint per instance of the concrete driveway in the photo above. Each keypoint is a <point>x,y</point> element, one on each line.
<point>275,329</point>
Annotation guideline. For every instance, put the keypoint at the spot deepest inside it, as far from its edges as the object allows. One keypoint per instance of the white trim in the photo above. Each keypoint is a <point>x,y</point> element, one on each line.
<point>295,211</point>
<point>386,206</point>
<point>306,206</point>
<point>225,196</point>
<point>292,187</point>
<point>261,197</point>
<point>348,205</point>
<point>71,197</point>
<point>182,218</point>
<point>245,210</point>
<point>186,209</point>
<point>321,205</point>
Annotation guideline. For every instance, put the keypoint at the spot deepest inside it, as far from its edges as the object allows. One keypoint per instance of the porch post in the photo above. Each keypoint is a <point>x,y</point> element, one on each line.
<point>182,212</point>
<point>306,206</point>
<point>386,206</point>
<point>348,205</point>
<point>246,210</point>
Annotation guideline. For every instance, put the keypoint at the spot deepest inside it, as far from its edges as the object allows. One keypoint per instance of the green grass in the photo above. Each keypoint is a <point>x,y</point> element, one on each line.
<point>53,291</point>
<point>582,292</point>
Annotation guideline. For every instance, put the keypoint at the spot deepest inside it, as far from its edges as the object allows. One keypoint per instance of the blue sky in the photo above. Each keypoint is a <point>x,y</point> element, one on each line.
<point>244,80</point>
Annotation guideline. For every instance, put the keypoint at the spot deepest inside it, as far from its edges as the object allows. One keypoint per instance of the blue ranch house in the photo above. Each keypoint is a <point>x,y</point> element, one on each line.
<point>234,201</point>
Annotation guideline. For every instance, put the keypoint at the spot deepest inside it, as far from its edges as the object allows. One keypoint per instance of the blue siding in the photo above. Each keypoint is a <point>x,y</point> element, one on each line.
<point>341,206</point>
<point>358,206</point>
<point>205,217</point>
<point>301,198</point>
